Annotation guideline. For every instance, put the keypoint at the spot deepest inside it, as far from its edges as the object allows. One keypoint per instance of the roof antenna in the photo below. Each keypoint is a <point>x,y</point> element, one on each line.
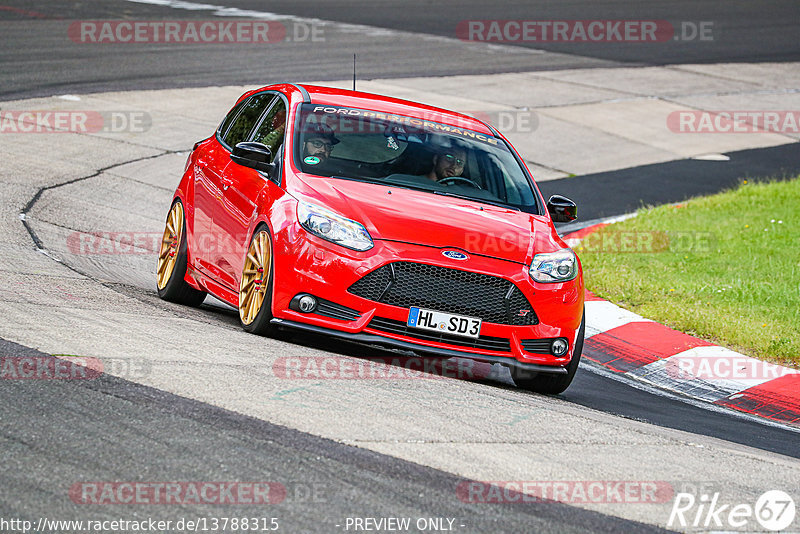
<point>354,72</point>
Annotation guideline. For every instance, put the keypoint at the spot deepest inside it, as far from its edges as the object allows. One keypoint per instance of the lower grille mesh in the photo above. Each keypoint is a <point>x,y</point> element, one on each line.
<point>406,284</point>
<point>536,346</point>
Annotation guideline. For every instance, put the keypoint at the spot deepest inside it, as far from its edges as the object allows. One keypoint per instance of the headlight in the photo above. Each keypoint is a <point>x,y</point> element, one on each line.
<point>560,266</point>
<point>332,227</point>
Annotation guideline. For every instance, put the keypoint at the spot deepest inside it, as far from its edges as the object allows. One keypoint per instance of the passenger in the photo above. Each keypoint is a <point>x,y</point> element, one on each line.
<point>274,137</point>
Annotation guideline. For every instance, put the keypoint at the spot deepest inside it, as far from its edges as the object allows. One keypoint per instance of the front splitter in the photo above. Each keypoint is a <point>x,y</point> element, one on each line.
<point>361,337</point>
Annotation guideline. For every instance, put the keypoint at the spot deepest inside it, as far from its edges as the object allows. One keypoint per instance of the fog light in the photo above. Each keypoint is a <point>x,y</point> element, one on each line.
<point>559,347</point>
<point>307,303</point>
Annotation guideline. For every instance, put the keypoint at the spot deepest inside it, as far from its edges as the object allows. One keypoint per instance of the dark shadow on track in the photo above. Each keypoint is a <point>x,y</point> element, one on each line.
<point>588,389</point>
<point>65,432</point>
<point>623,191</point>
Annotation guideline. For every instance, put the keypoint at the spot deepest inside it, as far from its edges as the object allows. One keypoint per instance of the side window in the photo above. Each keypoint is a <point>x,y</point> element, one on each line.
<point>271,130</point>
<point>243,124</point>
<point>226,122</point>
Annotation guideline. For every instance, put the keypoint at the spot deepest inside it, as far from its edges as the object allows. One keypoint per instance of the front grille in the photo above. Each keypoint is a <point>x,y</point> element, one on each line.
<point>406,284</point>
<point>498,344</point>
<point>536,346</point>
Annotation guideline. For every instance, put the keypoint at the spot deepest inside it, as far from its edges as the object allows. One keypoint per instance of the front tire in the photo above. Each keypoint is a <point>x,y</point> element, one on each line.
<point>172,262</point>
<point>255,288</point>
<point>547,383</point>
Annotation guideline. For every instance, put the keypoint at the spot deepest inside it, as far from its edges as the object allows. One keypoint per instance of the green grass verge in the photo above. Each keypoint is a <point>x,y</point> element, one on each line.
<point>725,268</point>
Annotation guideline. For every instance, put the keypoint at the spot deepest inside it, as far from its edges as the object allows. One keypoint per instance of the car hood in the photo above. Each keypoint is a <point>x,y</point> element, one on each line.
<point>422,218</point>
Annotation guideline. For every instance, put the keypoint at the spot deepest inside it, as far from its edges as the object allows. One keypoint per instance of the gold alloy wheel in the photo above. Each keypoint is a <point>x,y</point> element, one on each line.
<point>170,243</point>
<point>255,277</point>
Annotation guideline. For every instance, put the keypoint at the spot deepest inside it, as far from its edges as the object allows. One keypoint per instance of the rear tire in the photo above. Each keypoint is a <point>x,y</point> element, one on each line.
<point>548,383</point>
<point>172,262</point>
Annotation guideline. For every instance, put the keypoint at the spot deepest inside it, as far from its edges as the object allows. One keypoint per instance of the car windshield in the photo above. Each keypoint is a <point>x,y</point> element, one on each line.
<point>372,146</point>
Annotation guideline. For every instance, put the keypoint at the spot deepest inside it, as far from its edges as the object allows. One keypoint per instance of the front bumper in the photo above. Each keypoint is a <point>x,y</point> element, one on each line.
<point>304,263</point>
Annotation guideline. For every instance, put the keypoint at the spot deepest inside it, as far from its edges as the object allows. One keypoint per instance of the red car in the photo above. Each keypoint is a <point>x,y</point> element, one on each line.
<point>377,220</point>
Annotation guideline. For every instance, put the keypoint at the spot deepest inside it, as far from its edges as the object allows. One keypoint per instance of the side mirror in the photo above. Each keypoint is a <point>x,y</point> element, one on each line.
<point>254,155</point>
<point>562,209</point>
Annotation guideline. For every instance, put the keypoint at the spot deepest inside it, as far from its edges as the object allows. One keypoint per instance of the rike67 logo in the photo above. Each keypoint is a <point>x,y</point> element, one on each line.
<point>773,510</point>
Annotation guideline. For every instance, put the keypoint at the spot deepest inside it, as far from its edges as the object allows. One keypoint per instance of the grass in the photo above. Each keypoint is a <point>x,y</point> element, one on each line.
<point>725,268</point>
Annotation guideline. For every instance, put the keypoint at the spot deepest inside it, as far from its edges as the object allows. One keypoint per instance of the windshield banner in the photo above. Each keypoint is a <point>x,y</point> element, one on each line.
<point>354,120</point>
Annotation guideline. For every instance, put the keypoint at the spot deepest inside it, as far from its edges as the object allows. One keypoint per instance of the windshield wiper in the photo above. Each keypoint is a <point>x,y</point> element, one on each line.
<point>474,199</point>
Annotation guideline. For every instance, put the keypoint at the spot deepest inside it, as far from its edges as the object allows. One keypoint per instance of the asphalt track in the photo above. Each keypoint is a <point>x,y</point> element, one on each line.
<point>172,437</point>
<point>745,31</point>
<point>609,194</point>
<point>159,436</point>
<point>39,60</point>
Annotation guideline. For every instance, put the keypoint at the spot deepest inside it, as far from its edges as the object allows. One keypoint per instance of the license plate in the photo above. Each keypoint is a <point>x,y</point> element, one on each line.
<point>457,325</point>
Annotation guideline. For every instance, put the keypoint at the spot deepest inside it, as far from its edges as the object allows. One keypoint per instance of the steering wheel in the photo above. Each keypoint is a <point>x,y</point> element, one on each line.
<point>460,179</point>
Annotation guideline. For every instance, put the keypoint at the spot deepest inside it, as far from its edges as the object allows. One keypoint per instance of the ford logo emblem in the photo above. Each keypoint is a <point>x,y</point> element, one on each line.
<point>455,255</point>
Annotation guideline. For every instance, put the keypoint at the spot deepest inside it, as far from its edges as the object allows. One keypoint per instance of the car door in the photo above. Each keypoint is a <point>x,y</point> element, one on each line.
<point>240,188</point>
<point>207,175</point>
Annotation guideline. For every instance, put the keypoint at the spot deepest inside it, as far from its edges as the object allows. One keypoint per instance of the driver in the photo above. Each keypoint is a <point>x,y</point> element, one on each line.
<point>448,163</point>
<point>319,141</point>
